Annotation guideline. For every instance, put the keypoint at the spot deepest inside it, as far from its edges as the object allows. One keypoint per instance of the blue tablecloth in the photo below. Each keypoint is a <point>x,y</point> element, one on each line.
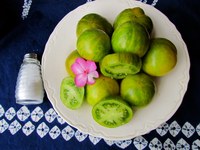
<point>25,27</point>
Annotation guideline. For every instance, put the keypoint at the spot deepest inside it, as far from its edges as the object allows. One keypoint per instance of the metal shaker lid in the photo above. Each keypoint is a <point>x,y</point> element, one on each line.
<point>31,55</point>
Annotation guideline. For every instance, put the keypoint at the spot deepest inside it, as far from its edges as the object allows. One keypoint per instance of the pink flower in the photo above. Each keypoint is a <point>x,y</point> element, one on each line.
<point>85,72</point>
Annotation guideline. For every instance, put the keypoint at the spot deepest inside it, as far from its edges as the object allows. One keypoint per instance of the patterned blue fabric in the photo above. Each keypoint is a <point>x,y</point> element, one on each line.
<point>25,26</point>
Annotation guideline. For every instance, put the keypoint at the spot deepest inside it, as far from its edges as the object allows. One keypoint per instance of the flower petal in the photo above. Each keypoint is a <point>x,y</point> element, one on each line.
<point>91,66</point>
<point>95,74</point>
<point>76,68</point>
<point>81,62</point>
<point>81,80</point>
<point>91,76</point>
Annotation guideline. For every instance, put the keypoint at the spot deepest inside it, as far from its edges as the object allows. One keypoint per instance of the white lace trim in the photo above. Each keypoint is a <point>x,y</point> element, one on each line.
<point>26,7</point>
<point>30,122</point>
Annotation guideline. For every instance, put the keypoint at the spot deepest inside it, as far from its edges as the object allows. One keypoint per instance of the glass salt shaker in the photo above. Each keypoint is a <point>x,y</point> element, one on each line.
<point>29,87</point>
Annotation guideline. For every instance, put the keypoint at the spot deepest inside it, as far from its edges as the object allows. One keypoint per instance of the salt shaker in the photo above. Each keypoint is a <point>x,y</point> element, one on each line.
<point>29,87</point>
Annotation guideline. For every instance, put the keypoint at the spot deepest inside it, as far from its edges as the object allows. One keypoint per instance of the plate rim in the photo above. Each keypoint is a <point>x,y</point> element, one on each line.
<point>49,91</point>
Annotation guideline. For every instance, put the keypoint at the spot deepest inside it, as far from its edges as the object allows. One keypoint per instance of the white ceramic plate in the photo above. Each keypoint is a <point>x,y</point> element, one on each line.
<point>170,89</point>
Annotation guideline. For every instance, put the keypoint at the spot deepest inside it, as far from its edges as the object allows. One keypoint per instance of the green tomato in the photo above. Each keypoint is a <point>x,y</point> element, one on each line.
<point>91,21</point>
<point>130,37</point>
<point>119,65</point>
<point>70,60</point>
<point>161,57</point>
<point>137,89</point>
<point>135,14</point>
<point>103,87</point>
<point>112,112</point>
<point>93,44</point>
<point>71,95</point>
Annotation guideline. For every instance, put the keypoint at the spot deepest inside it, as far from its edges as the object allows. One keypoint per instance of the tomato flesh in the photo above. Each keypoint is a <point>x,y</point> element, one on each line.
<point>71,95</point>
<point>112,112</point>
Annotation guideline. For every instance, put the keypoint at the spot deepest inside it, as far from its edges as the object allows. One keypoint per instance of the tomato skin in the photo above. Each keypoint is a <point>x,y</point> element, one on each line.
<point>130,37</point>
<point>161,57</point>
<point>93,44</point>
<point>119,65</point>
<point>112,112</point>
<point>70,60</point>
<point>135,14</point>
<point>138,89</point>
<point>103,87</point>
<point>91,21</point>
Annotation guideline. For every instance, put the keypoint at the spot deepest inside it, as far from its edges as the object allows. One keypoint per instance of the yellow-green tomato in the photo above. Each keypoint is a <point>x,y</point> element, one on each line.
<point>161,57</point>
<point>137,89</point>
<point>103,87</point>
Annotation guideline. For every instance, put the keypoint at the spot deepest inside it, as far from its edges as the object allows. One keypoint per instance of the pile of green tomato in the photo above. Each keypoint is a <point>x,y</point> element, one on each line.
<point>128,60</point>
